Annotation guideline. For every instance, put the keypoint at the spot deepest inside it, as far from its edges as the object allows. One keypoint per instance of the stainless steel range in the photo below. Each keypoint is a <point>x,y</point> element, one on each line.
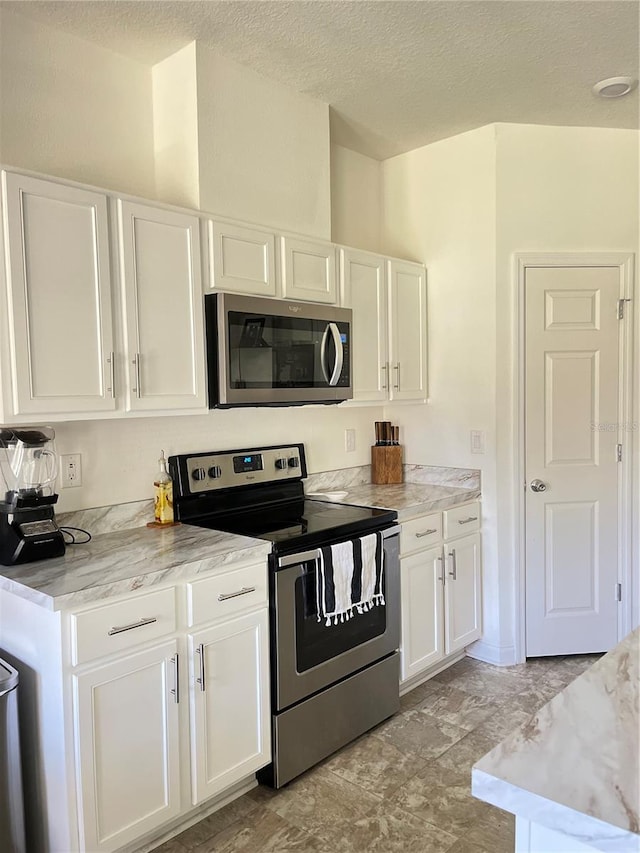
<point>332,679</point>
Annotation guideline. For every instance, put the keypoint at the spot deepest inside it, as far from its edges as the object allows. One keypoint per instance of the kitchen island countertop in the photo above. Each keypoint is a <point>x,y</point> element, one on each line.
<point>574,767</point>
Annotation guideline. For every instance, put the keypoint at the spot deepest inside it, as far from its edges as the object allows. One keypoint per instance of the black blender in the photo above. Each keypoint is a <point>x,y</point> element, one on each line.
<point>29,465</point>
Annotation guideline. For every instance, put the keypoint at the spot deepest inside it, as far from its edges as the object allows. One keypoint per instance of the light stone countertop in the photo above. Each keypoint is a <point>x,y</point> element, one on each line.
<point>409,499</point>
<point>575,766</point>
<point>113,564</point>
<point>127,559</point>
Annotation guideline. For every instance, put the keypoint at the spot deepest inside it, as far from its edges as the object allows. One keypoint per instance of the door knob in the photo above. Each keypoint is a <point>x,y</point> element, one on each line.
<point>538,486</point>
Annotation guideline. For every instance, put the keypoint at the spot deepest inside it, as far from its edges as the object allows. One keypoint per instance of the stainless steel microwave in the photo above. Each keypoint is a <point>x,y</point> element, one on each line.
<point>269,352</point>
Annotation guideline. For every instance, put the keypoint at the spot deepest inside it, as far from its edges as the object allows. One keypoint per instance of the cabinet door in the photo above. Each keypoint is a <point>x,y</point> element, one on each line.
<point>128,747</point>
<point>462,593</point>
<point>230,712</point>
<point>422,624</point>
<point>407,330</point>
<point>163,307</point>
<point>363,288</point>
<point>242,260</point>
<point>59,298</point>
<point>308,270</point>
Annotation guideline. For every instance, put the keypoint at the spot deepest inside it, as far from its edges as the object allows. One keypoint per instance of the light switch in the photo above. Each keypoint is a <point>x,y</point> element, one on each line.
<point>477,441</point>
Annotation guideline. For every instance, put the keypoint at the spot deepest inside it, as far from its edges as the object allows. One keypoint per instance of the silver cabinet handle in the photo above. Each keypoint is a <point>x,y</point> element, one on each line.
<point>175,660</point>
<point>385,384</point>
<point>201,682</point>
<point>452,554</point>
<point>467,520</point>
<point>112,385</point>
<point>224,596</point>
<point>139,624</point>
<point>442,576</point>
<point>396,367</point>
<point>426,532</point>
<point>136,363</point>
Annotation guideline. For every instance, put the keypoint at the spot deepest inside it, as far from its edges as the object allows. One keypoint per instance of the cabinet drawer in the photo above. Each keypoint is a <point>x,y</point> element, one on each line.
<point>420,532</point>
<point>227,594</point>
<point>117,627</point>
<point>461,520</point>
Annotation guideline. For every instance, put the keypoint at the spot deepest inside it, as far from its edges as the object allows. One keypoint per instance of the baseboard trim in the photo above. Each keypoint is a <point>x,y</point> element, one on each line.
<point>415,680</point>
<point>153,840</point>
<point>496,655</point>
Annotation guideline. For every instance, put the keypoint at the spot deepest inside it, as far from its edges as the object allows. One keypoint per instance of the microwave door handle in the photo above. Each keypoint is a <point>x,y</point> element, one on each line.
<point>323,353</point>
<point>337,341</point>
<point>337,370</point>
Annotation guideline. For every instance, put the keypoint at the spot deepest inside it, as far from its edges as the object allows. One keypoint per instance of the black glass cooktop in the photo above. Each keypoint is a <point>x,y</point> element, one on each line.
<point>301,523</point>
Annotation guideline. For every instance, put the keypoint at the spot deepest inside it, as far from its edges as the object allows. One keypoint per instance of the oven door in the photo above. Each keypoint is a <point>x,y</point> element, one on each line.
<point>272,352</point>
<point>309,655</point>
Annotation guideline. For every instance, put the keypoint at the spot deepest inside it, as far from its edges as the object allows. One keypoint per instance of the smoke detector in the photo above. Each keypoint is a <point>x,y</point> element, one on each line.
<point>615,87</point>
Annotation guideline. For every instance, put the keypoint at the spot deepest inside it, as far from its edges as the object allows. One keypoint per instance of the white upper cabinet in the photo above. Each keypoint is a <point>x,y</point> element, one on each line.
<point>241,259</point>
<point>389,302</point>
<point>163,310</point>
<point>363,289</point>
<point>59,352</point>
<point>308,270</point>
<point>407,330</point>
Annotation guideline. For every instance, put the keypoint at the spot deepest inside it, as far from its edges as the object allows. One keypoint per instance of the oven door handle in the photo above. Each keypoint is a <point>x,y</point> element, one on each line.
<point>307,556</point>
<point>295,559</point>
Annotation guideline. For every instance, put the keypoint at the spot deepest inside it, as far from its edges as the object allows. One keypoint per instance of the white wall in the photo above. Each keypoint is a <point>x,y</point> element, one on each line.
<point>560,189</point>
<point>439,206</point>
<point>72,109</point>
<point>464,206</point>
<point>175,128</point>
<point>356,202</point>
<point>120,457</point>
<point>264,149</point>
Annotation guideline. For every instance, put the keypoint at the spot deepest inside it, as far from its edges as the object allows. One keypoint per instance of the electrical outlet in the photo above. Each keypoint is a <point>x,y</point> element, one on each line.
<point>71,470</point>
<point>349,440</point>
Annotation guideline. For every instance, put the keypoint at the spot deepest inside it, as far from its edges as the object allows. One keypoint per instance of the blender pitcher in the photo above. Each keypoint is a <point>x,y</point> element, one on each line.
<point>28,462</point>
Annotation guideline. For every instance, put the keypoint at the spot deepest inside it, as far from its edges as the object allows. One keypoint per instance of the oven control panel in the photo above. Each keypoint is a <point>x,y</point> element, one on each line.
<point>205,472</point>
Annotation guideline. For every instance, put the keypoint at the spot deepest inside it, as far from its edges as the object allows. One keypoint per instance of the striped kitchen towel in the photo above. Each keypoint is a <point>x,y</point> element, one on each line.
<point>349,578</point>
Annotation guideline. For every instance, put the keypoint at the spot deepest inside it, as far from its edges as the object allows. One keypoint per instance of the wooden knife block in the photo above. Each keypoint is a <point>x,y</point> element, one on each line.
<point>386,464</point>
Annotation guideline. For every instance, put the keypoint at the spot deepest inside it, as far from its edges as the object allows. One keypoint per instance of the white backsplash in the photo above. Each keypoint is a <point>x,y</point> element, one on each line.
<point>125,516</point>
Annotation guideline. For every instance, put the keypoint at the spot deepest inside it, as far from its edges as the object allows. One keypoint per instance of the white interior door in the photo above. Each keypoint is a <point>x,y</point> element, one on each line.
<point>572,405</point>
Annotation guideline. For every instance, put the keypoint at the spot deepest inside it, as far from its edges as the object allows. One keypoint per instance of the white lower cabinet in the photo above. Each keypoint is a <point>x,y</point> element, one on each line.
<point>128,746</point>
<point>230,732</point>
<point>462,593</point>
<point>146,717</point>
<point>422,611</point>
<point>441,588</point>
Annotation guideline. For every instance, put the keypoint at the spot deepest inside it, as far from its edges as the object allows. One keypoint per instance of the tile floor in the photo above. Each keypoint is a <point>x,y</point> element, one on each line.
<point>405,786</point>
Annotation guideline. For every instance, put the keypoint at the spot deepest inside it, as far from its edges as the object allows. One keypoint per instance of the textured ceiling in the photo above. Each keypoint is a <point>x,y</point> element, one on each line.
<point>398,74</point>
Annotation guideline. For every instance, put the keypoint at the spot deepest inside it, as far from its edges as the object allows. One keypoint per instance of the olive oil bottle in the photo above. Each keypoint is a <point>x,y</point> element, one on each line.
<point>163,484</point>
